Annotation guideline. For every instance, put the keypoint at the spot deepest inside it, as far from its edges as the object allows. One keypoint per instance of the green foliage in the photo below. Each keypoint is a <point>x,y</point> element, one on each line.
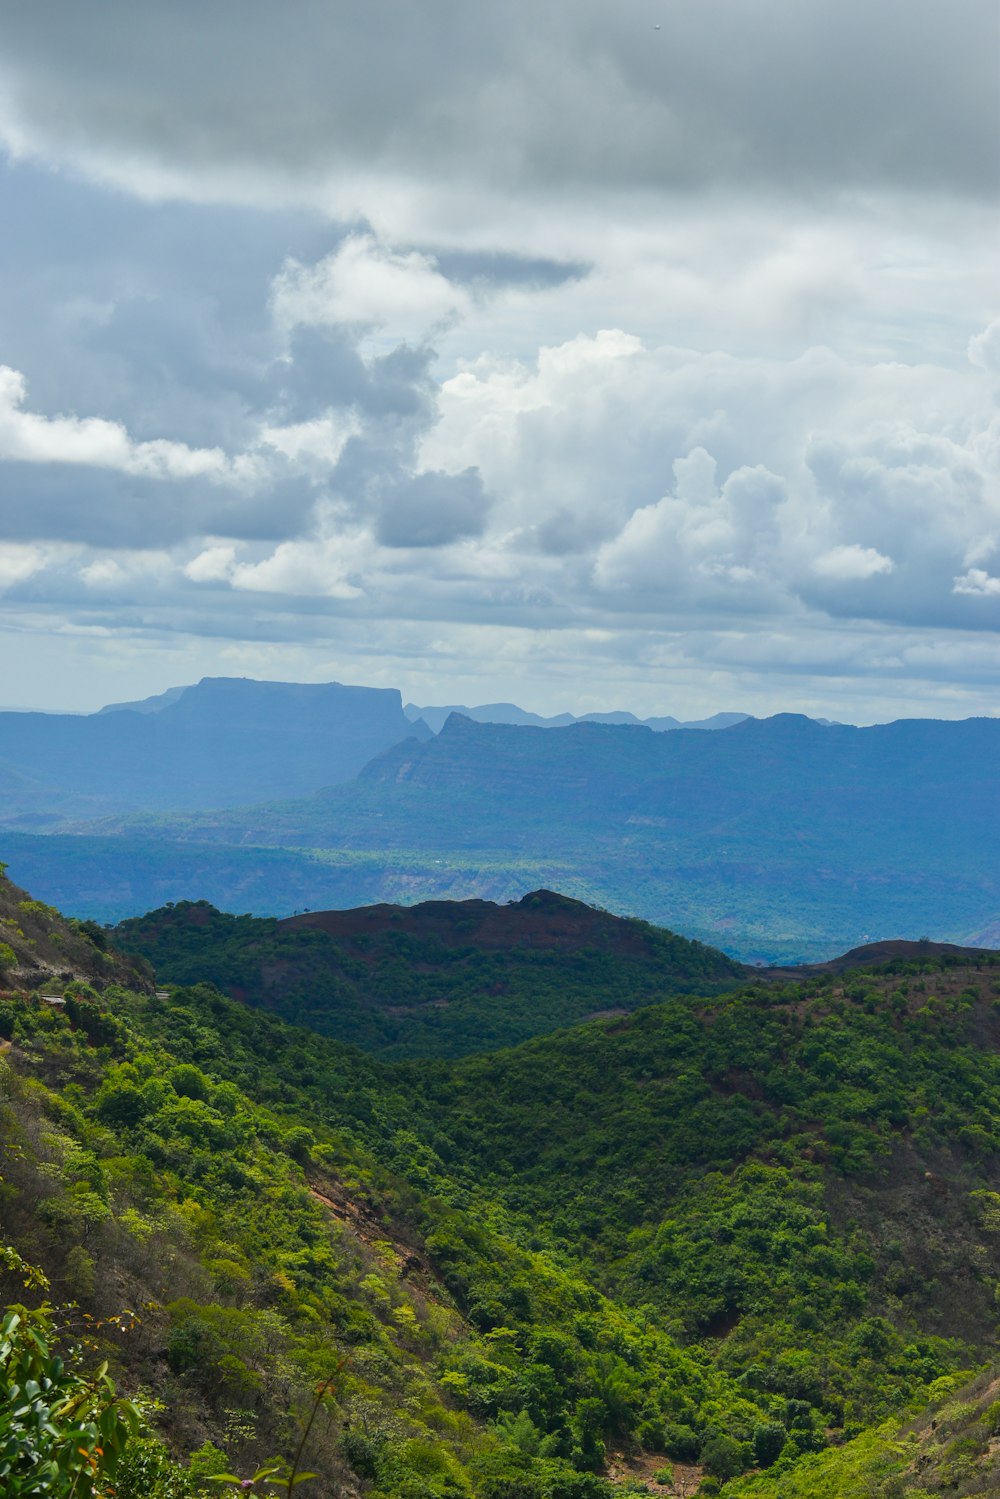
<point>147,1471</point>
<point>769,1439</point>
<point>63,1430</point>
<point>670,1230</point>
<point>435,982</point>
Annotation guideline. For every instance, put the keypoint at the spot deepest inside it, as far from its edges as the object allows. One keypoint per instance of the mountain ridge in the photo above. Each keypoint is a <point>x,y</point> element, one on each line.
<point>742,1234</point>
<point>781,839</point>
<point>439,978</point>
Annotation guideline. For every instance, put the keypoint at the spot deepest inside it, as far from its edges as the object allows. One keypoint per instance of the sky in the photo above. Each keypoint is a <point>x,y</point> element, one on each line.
<point>588,354</point>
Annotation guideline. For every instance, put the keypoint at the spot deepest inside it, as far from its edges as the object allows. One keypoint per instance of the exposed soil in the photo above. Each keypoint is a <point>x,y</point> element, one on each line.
<point>369,1229</point>
<point>643,1466</point>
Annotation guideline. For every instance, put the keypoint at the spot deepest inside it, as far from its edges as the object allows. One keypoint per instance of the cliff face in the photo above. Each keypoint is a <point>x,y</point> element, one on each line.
<point>219,743</point>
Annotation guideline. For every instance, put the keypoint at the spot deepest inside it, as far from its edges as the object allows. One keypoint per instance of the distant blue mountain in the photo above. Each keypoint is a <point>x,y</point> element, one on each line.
<point>436,717</point>
<point>221,743</point>
<point>148,704</point>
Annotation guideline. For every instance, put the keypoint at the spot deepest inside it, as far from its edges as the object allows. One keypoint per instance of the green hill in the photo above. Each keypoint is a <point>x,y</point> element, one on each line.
<point>442,978</point>
<point>757,1230</point>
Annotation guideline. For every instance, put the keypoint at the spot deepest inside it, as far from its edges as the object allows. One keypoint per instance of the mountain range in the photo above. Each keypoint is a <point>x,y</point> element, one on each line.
<point>781,840</point>
<point>436,717</point>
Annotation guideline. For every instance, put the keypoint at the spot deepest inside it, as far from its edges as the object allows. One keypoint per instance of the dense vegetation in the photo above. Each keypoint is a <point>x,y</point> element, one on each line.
<point>755,1231</point>
<point>439,979</point>
<point>263,1254</point>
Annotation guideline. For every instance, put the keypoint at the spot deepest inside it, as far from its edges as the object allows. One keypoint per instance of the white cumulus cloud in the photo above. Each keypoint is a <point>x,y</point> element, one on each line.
<point>365,282</point>
<point>852,562</point>
<point>978,583</point>
<point>95,442</point>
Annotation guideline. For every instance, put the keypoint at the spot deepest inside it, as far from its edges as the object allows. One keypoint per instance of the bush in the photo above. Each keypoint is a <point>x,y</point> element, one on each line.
<point>121,1104</point>
<point>768,1440</point>
<point>62,1433</point>
<point>722,1455</point>
<point>681,1443</point>
<point>188,1081</point>
<point>146,1472</point>
<point>365,1454</point>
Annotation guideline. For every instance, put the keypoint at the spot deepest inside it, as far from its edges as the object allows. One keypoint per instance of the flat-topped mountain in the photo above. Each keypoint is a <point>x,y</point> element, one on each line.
<point>439,978</point>
<point>220,743</point>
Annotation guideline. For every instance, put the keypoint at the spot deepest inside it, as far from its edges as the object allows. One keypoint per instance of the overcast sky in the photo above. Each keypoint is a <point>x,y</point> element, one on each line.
<point>588,353</point>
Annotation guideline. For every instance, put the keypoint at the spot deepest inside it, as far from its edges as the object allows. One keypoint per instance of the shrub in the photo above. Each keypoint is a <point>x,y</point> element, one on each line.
<point>722,1455</point>
<point>768,1440</point>
<point>681,1443</point>
<point>62,1433</point>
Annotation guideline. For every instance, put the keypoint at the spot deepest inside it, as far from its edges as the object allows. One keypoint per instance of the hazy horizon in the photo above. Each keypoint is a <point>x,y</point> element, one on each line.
<point>543,708</point>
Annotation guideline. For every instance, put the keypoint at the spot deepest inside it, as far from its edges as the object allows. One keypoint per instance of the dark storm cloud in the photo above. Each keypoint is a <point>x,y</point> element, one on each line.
<point>481,269</point>
<point>101,508</point>
<point>575,93</point>
<point>433,509</point>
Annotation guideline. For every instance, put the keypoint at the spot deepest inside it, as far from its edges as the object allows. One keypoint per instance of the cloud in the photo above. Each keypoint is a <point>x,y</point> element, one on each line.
<point>565,100</point>
<point>330,565</point>
<point>126,572</point>
<point>978,583</point>
<point>852,562</point>
<point>701,544</point>
<point>213,565</point>
<point>433,509</point>
<point>94,442</point>
<point>509,339</point>
<point>984,348</point>
<point>18,563</point>
<point>366,283</point>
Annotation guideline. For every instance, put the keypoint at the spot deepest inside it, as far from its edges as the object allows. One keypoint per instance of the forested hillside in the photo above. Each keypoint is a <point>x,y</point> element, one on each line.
<point>439,979</point>
<point>752,1231</point>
